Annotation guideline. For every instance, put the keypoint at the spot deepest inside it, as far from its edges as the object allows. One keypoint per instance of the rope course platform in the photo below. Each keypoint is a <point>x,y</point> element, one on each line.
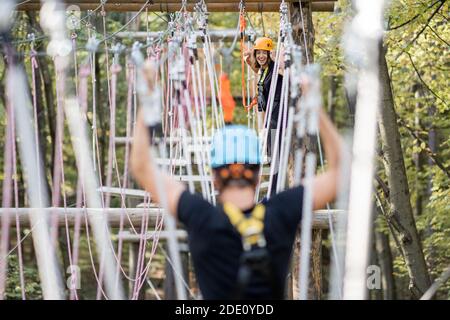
<point>182,106</point>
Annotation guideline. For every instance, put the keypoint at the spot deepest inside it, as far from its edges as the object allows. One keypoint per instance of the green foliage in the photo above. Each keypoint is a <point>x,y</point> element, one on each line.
<point>418,67</point>
<point>33,289</point>
<point>435,224</point>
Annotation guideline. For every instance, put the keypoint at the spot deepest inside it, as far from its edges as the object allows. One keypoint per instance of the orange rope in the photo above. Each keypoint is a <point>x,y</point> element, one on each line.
<point>252,104</point>
<point>226,98</point>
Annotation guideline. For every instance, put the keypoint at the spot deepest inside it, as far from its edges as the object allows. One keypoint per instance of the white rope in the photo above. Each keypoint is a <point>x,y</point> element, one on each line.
<point>311,103</point>
<point>365,33</point>
<point>330,222</point>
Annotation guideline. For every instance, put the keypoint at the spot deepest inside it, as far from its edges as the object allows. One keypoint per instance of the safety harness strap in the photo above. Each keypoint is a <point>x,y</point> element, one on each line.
<point>263,76</point>
<point>256,258</point>
<point>251,228</point>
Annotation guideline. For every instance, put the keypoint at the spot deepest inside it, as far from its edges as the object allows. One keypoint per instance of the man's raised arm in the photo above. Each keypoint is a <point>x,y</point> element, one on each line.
<point>143,165</point>
<point>325,184</point>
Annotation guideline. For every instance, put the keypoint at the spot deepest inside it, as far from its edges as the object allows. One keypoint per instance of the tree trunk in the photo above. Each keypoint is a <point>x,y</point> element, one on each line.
<point>384,255</point>
<point>44,80</point>
<point>418,157</point>
<point>400,216</point>
<point>332,97</point>
<point>102,121</point>
<point>374,293</point>
<point>432,143</point>
<point>2,86</point>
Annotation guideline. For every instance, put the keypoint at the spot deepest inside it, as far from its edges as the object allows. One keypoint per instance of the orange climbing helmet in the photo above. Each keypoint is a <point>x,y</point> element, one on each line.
<point>263,43</point>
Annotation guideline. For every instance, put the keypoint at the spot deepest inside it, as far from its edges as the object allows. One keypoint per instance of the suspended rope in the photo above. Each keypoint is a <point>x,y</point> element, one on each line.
<point>46,259</point>
<point>152,119</point>
<point>365,31</point>
<point>330,222</point>
<point>186,123</point>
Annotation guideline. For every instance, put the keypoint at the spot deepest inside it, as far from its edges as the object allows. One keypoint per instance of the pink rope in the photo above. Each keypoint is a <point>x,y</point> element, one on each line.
<point>130,78</point>
<point>115,70</point>
<point>131,84</point>
<point>107,195</point>
<point>97,155</point>
<point>167,108</point>
<point>57,170</point>
<point>155,238</point>
<point>75,62</point>
<point>99,170</point>
<point>118,258</point>
<point>141,254</point>
<point>34,66</point>
<point>91,256</point>
<point>82,97</point>
<point>58,177</point>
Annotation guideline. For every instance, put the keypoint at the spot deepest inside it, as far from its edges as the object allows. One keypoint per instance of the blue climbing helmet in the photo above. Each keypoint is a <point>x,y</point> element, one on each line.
<point>235,144</point>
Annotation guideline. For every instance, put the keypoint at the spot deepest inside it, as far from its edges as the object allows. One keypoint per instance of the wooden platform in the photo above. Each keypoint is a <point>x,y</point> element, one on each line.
<point>175,5</point>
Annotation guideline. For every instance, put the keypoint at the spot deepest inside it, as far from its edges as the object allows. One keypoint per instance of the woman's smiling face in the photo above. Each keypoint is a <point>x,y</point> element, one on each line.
<point>262,56</point>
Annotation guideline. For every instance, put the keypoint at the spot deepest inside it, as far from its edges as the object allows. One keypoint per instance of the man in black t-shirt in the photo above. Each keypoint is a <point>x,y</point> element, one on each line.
<point>239,249</point>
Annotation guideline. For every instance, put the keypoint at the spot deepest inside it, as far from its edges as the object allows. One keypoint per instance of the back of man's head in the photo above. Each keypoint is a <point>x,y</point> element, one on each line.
<point>235,157</point>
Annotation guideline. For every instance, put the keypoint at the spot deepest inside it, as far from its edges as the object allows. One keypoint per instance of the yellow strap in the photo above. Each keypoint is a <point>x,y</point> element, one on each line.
<point>259,212</point>
<point>263,77</point>
<point>234,214</point>
<point>243,224</point>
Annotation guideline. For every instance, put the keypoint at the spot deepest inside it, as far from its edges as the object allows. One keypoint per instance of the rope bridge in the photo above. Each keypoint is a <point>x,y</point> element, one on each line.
<point>190,111</point>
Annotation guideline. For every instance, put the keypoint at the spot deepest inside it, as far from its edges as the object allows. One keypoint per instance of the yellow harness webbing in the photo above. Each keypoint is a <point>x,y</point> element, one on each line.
<point>250,228</point>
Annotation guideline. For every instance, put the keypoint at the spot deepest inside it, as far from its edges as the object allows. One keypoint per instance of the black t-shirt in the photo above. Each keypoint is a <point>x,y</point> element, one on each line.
<point>276,99</point>
<point>216,246</point>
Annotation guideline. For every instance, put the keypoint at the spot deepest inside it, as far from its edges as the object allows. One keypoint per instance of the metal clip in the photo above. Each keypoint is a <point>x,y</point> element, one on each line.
<point>117,49</point>
<point>92,44</point>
